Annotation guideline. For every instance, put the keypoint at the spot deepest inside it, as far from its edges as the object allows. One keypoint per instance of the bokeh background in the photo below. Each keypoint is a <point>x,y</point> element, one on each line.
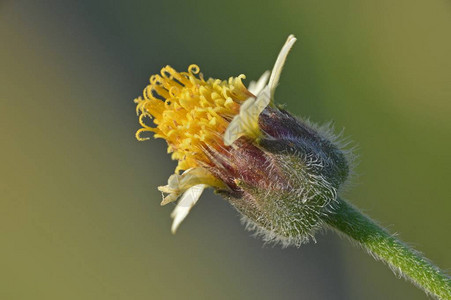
<point>79,209</point>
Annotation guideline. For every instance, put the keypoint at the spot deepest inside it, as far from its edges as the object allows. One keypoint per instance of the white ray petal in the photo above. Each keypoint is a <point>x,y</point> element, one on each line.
<point>185,204</point>
<point>178,184</point>
<point>255,87</point>
<point>275,74</point>
<point>246,122</point>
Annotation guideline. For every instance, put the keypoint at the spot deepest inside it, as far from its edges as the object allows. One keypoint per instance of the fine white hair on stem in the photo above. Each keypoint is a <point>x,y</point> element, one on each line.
<point>277,70</point>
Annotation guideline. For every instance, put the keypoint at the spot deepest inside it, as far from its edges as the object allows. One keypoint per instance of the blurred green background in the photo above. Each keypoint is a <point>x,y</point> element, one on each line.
<point>79,209</point>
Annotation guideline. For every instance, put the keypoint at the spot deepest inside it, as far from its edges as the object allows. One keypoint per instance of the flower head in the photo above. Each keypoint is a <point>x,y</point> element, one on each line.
<point>189,112</point>
<point>271,167</point>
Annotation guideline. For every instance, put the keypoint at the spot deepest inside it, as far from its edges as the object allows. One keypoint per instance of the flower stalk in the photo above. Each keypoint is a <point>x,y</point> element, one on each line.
<point>402,259</point>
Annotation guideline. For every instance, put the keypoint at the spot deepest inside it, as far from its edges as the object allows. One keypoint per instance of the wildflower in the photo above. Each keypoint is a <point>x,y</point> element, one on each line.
<point>282,173</point>
<point>235,140</point>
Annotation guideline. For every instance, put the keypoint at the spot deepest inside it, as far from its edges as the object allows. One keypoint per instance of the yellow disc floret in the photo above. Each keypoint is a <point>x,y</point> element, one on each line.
<point>190,113</point>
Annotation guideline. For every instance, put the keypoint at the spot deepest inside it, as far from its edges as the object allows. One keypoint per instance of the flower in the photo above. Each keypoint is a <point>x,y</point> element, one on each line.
<point>281,173</point>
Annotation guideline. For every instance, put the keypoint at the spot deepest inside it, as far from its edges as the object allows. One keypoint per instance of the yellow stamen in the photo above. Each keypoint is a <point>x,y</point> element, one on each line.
<point>190,113</point>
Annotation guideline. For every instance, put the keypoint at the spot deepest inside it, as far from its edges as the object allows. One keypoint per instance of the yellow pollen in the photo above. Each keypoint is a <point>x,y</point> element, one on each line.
<point>190,113</point>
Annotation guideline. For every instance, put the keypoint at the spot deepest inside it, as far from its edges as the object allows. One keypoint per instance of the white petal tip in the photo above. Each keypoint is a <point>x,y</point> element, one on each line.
<point>185,204</point>
<point>255,87</point>
<point>174,229</point>
<point>277,70</point>
<point>291,37</point>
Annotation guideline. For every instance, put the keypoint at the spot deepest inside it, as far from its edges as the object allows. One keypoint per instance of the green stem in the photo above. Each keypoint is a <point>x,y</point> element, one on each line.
<point>349,221</point>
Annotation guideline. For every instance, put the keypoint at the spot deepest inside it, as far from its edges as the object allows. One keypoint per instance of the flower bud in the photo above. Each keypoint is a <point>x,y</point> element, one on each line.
<point>282,174</point>
<point>289,182</point>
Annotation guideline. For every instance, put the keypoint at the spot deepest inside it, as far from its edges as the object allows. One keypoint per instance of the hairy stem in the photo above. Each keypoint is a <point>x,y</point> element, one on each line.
<point>384,246</point>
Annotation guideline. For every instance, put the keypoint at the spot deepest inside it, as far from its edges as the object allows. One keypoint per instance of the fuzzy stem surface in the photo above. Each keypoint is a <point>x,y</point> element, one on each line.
<point>384,246</point>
